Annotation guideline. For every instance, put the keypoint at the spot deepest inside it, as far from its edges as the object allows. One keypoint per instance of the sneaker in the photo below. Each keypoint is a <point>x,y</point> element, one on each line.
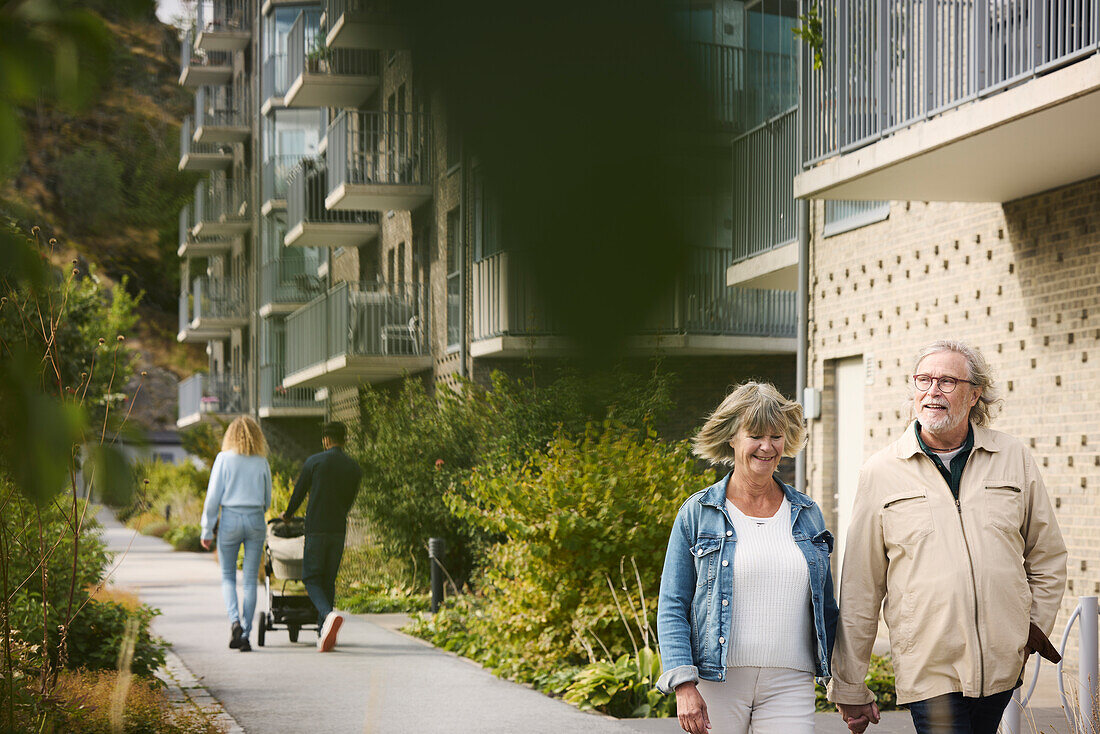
<point>235,633</point>
<point>329,630</point>
<point>245,645</point>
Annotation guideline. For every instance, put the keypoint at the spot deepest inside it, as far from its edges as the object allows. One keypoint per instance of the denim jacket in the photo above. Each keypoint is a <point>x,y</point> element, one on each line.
<point>693,625</point>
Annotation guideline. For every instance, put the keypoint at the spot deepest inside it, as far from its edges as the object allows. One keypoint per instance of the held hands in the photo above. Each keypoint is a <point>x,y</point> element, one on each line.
<point>691,709</point>
<point>858,716</point>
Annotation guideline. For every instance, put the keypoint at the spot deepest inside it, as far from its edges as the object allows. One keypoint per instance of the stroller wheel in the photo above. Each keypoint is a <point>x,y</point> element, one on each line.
<point>261,630</point>
<point>292,630</point>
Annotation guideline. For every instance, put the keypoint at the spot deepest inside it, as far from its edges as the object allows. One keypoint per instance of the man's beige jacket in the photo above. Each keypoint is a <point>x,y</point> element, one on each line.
<point>961,580</point>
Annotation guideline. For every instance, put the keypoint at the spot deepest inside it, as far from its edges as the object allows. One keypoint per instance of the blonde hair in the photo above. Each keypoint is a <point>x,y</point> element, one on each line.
<point>758,408</point>
<point>989,403</point>
<point>243,436</point>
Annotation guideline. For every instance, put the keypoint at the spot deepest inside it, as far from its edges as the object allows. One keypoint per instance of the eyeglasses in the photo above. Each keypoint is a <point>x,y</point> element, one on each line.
<point>947,384</point>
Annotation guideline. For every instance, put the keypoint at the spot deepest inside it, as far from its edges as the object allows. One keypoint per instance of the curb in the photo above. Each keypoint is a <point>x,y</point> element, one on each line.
<point>184,689</point>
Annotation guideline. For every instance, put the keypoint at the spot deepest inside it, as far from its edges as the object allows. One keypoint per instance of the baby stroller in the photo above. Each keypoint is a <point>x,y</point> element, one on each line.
<point>291,608</point>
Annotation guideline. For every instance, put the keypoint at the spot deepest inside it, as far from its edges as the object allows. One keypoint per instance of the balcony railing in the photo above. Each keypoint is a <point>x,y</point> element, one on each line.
<point>201,156</point>
<point>505,301</point>
<point>202,394</point>
<point>192,246</point>
<point>358,320</point>
<point>222,113</point>
<point>198,67</point>
<point>221,207</point>
<point>275,80</point>
<point>746,87</point>
<point>214,298</point>
<point>889,65</point>
<point>223,25</point>
<point>379,150</point>
<point>276,170</point>
<point>274,395</point>
<point>322,76</point>
<point>765,160</point>
<point>290,280</point>
<point>309,222</point>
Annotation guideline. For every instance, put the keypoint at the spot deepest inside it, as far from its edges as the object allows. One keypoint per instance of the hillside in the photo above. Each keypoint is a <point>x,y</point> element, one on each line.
<point>104,182</point>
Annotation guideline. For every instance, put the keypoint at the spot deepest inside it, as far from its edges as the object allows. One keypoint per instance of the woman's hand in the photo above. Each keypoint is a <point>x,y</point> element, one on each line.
<point>691,709</point>
<point>207,544</point>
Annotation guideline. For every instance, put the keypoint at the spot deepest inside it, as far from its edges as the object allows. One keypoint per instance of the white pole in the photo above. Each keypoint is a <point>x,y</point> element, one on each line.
<point>1010,722</point>
<point>1087,673</point>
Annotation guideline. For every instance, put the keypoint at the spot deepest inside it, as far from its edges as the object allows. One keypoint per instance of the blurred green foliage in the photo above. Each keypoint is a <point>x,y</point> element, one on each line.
<point>89,186</point>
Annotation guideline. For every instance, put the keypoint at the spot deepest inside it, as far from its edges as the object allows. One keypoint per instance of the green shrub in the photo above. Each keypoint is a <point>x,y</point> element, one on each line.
<point>98,631</point>
<point>623,688</point>
<point>185,538</point>
<point>89,185</point>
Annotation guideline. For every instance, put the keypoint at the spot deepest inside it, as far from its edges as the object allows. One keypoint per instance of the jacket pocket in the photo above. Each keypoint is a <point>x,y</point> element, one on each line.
<point>1004,505</point>
<point>906,518</point>
<point>706,559</point>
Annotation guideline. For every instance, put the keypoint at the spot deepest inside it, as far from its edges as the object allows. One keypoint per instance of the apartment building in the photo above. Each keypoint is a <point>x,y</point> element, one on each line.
<point>346,236</point>
<point>952,157</point>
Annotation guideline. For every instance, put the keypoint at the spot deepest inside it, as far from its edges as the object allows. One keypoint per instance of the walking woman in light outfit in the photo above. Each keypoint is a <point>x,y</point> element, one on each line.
<point>746,616</point>
<point>240,488</point>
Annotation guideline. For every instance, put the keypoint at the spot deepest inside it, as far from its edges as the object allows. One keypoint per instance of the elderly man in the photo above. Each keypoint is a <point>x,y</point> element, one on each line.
<point>953,527</point>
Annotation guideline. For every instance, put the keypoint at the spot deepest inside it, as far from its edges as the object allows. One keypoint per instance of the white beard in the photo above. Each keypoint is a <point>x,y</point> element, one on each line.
<point>948,420</point>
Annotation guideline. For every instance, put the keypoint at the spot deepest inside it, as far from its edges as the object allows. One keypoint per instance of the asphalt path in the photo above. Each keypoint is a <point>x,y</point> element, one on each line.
<point>376,681</point>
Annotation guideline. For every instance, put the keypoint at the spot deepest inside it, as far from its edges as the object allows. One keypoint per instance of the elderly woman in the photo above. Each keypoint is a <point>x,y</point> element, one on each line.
<point>240,492</point>
<point>746,616</point>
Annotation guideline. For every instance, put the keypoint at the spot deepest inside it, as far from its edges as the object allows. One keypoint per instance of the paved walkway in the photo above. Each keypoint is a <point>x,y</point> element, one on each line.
<point>378,681</point>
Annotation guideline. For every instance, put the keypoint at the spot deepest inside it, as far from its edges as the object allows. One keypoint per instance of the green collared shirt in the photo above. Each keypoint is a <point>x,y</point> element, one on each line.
<point>953,477</point>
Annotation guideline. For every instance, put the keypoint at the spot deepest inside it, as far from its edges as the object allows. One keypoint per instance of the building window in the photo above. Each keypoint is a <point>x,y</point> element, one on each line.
<point>401,263</point>
<point>844,216</point>
<point>454,278</point>
<point>389,267</point>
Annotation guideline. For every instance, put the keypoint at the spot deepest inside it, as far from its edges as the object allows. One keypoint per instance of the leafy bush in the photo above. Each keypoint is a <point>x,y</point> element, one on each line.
<point>89,184</point>
<point>98,632</point>
<point>185,538</point>
<point>623,688</point>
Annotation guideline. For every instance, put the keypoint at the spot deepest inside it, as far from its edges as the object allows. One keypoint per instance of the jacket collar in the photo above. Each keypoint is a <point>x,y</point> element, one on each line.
<point>984,438</point>
<point>715,494</point>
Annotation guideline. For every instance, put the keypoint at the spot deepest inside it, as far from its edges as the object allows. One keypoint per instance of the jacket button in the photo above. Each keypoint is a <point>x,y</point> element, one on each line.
<point>729,533</point>
<point>725,563</point>
<point>721,640</point>
<point>725,602</point>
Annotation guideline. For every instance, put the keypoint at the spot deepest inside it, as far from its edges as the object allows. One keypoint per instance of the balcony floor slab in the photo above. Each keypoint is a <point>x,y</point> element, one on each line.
<point>330,90</point>
<point>773,269</point>
<point>223,40</point>
<point>331,234</point>
<point>205,161</point>
<point>699,345</point>
<point>361,30</point>
<point>222,134</point>
<point>204,249</point>
<point>353,369</point>
<point>195,76</point>
<point>378,197</point>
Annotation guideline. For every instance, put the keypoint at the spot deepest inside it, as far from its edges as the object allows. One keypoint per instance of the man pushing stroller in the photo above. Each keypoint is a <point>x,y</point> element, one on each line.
<point>331,479</point>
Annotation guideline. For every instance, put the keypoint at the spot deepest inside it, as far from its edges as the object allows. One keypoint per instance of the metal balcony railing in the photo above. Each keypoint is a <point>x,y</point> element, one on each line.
<point>191,56</point>
<point>306,53</point>
<point>223,106</point>
<point>765,160</point>
<point>222,15</point>
<point>274,82</point>
<point>188,144</point>
<point>291,278</point>
<point>505,300</point>
<point>746,87</point>
<point>221,201</point>
<point>274,395</point>
<point>201,394</point>
<point>890,65</point>
<point>275,171</point>
<point>378,148</point>
<point>358,320</point>
<point>305,199</point>
<point>213,297</point>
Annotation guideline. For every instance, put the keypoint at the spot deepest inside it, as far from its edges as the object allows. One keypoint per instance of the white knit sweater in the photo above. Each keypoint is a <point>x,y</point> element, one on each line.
<point>771,609</point>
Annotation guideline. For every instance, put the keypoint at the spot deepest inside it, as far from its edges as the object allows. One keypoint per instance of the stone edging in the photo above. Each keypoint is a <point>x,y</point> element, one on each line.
<point>184,689</point>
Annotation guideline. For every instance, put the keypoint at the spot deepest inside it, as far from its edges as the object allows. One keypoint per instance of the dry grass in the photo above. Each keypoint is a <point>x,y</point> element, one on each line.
<point>118,594</point>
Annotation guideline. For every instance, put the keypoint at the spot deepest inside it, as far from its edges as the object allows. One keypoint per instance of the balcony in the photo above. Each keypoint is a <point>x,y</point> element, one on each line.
<point>704,316</point>
<point>289,282</point>
<point>222,114</point>
<point>327,77</point>
<point>746,87</point>
<point>202,396</point>
<point>366,24</point>
<point>508,317</point>
<point>310,224</point>
<point>378,161</point>
<point>212,310</point>
<point>223,25</point>
<point>221,208</point>
<point>277,401</point>
<point>199,68</point>
<point>273,83</point>
<point>274,173</point>
<point>192,246</point>
<point>358,332</point>
<point>765,251</point>
<point>201,156</point>
<point>952,100</point>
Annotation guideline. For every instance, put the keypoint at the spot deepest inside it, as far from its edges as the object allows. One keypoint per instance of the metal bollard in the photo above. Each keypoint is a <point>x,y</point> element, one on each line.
<point>1085,721</point>
<point>1011,720</point>
<point>435,555</point>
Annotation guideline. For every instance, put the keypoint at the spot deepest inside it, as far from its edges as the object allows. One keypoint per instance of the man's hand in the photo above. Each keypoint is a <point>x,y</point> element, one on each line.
<point>858,716</point>
<point>691,709</point>
<point>207,544</point>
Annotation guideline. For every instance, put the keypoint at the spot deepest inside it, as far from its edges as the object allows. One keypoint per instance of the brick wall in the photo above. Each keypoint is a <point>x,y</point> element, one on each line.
<point>1019,281</point>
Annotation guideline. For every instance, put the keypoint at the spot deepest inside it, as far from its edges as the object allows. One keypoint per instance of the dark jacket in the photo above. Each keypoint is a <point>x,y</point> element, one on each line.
<point>331,478</point>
